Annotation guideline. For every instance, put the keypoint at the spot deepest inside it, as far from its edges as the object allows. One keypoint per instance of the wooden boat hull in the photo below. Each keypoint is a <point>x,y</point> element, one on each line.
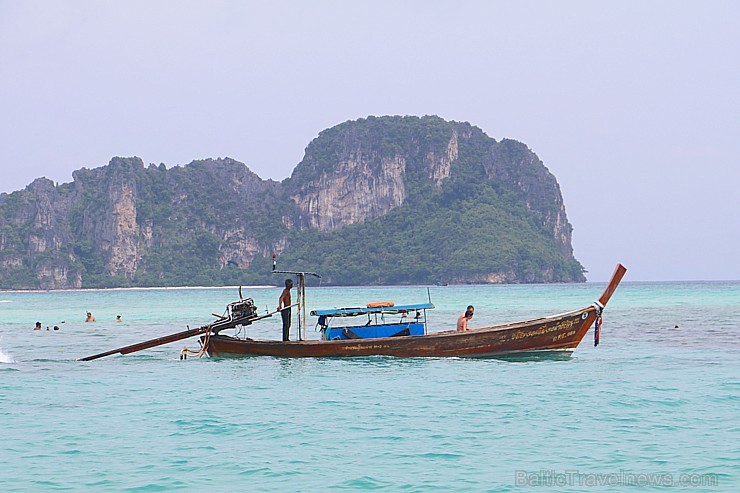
<point>560,332</point>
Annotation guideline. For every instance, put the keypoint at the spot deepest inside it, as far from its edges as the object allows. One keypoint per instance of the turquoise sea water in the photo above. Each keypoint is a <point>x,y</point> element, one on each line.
<point>653,405</point>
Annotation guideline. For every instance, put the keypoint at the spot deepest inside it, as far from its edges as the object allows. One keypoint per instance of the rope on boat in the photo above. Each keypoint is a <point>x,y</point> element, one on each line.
<point>599,308</point>
<point>186,351</point>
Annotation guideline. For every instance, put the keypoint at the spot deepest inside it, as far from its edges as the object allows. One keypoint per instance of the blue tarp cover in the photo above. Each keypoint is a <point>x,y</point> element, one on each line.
<point>373,331</point>
<point>354,312</point>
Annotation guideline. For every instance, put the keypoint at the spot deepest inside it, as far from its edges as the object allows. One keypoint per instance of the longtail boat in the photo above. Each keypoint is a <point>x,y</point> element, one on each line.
<point>405,338</point>
<point>561,332</point>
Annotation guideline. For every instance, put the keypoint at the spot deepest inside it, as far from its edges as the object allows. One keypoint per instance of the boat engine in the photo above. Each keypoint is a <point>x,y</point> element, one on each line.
<point>242,309</point>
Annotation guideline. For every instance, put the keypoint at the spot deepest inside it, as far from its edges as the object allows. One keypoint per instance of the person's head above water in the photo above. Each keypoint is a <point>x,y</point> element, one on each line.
<point>289,283</point>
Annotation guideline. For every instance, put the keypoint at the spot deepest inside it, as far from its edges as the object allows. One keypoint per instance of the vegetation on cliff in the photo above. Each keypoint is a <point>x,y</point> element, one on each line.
<point>386,200</point>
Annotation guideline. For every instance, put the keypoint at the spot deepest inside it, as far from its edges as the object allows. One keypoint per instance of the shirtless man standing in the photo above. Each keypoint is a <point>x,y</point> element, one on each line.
<point>284,308</point>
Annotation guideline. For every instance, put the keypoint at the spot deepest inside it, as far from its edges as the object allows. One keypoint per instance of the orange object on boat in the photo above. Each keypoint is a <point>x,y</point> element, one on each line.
<point>380,304</point>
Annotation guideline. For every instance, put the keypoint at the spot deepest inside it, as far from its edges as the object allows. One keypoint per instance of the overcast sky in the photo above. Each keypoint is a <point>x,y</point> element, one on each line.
<point>633,106</point>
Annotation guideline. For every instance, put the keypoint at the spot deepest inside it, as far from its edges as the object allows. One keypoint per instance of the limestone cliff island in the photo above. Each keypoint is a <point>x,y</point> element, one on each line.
<point>379,200</point>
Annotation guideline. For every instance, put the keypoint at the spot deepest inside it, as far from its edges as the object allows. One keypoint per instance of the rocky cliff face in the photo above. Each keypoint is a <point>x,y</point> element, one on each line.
<point>204,223</point>
<point>514,164</point>
<point>361,186</point>
<point>34,229</point>
<point>364,183</point>
<point>363,177</point>
<point>109,218</point>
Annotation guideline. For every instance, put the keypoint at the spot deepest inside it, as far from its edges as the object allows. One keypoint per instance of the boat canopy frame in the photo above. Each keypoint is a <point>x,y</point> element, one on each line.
<point>357,311</point>
<point>373,312</point>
